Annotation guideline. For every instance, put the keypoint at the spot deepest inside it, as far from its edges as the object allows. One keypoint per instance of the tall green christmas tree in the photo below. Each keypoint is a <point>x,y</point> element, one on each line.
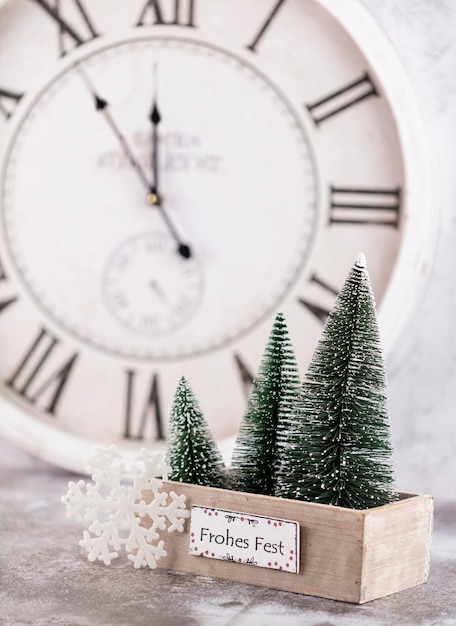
<point>192,452</point>
<point>339,449</point>
<point>271,401</point>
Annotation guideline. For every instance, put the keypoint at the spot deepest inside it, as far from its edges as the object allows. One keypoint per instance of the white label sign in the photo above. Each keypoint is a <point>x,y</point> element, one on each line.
<point>245,538</point>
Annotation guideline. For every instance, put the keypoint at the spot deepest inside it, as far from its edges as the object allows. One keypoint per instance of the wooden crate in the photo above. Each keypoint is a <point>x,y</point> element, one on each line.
<point>348,555</point>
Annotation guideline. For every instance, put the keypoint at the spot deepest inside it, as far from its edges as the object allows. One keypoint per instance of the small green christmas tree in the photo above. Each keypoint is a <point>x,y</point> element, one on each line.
<point>192,452</point>
<point>339,449</point>
<point>271,400</point>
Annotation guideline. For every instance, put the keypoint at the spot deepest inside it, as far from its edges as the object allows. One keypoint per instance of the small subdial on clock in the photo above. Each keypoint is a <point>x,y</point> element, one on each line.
<point>149,288</point>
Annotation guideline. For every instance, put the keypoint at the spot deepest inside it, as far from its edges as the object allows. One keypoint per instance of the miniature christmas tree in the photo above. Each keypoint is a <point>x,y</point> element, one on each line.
<point>339,449</point>
<point>192,452</point>
<point>273,395</point>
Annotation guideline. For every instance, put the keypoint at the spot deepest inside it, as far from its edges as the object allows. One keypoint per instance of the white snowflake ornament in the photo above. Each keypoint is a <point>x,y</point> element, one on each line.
<point>113,507</point>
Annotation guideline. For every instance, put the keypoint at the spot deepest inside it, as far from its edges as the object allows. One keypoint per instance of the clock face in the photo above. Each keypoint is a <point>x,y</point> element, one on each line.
<point>173,175</point>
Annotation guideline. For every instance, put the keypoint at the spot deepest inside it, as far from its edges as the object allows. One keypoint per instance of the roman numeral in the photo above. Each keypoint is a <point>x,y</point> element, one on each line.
<point>252,46</point>
<point>342,99</point>
<point>151,412</point>
<point>27,380</point>
<point>169,12</point>
<point>5,303</point>
<point>245,375</point>
<point>349,205</point>
<point>9,300</point>
<point>319,311</point>
<point>8,102</point>
<point>67,30</point>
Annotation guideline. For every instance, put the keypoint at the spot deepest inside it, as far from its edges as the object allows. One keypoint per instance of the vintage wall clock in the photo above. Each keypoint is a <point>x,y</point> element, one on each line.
<point>174,173</point>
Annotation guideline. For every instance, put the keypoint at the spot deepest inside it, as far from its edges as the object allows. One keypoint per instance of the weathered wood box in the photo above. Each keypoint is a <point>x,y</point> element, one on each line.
<point>344,554</point>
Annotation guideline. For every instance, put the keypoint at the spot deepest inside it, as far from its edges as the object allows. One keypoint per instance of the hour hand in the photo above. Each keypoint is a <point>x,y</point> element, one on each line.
<point>155,119</point>
<point>155,198</point>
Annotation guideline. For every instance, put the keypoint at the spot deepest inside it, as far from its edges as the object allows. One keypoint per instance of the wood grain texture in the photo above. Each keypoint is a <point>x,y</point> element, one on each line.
<point>348,555</point>
<point>397,541</point>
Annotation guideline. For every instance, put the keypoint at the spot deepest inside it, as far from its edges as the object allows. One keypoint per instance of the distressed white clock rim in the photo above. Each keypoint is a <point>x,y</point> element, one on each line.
<point>48,443</point>
<point>417,245</point>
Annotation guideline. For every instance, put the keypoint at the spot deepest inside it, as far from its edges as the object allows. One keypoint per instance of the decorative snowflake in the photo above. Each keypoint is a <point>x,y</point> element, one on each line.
<point>114,507</point>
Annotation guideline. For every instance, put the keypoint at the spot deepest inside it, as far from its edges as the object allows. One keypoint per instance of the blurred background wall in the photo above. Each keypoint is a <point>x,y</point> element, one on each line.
<point>422,366</point>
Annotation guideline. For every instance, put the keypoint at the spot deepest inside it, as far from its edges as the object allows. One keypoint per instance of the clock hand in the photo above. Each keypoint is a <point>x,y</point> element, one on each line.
<point>102,105</point>
<point>155,198</point>
<point>157,289</point>
<point>155,118</point>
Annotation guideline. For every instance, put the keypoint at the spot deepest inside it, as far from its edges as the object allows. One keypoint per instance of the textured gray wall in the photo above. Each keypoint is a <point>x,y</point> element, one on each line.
<point>422,366</point>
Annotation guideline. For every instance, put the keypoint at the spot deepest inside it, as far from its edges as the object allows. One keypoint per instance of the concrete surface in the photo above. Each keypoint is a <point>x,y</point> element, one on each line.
<point>45,578</point>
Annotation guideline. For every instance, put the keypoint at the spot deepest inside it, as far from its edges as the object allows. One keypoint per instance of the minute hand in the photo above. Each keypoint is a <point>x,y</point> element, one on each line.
<point>102,106</point>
